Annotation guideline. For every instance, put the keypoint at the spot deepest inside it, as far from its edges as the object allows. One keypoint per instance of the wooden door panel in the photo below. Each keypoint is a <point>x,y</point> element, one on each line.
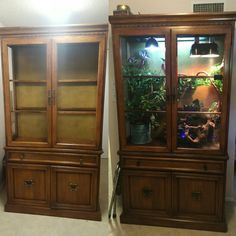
<point>147,191</point>
<point>27,86</point>
<point>74,188</point>
<point>78,85</point>
<point>28,184</point>
<point>198,196</point>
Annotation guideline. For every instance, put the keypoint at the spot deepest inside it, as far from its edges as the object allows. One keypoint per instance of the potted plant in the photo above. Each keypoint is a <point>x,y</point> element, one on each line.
<point>145,94</point>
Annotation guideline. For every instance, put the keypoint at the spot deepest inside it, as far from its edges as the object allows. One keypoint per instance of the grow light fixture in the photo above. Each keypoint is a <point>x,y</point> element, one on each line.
<point>208,50</point>
<point>195,50</point>
<point>151,43</point>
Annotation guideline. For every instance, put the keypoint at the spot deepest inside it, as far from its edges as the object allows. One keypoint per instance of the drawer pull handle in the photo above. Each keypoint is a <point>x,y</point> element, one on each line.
<point>196,195</point>
<point>29,183</point>
<point>73,187</point>
<point>147,192</point>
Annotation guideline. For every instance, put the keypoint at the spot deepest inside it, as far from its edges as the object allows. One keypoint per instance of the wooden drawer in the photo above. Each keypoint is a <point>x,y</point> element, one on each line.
<point>48,158</point>
<point>147,192</point>
<point>174,165</point>
<point>198,196</point>
<point>28,184</point>
<point>74,188</point>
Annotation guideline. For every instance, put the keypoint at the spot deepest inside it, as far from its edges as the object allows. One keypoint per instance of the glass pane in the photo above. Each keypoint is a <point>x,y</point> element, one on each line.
<point>149,133</point>
<point>76,96</point>
<point>144,81</point>
<point>25,96</point>
<point>77,61</point>
<point>200,85</point>
<point>76,128</point>
<point>29,126</point>
<point>199,131</point>
<point>27,62</point>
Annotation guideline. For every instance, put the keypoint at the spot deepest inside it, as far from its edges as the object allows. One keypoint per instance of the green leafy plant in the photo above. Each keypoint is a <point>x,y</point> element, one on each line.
<point>144,95</point>
<point>192,83</point>
<point>145,91</point>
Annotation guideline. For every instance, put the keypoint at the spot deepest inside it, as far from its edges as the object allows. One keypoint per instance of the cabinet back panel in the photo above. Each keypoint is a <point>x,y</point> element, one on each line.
<point>76,129</point>
<point>72,96</point>
<point>30,126</point>
<point>29,96</point>
<point>29,62</point>
<point>77,61</point>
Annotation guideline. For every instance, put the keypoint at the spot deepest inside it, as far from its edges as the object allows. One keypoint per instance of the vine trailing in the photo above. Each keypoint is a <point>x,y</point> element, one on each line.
<point>146,91</point>
<point>144,96</point>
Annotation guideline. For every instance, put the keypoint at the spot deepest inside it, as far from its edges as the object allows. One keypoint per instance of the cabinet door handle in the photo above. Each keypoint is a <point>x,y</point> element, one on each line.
<point>196,195</point>
<point>28,183</point>
<point>174,96</point>
<point>147,192</point>
<point>168,97</point>
<point>205,167</point>
<point>73,187</point>
<point>49,97</point>
<point>53,97</point>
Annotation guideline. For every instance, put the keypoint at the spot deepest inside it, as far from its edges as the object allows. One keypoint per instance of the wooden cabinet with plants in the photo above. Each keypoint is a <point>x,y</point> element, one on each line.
<point>173,83</point>
<point>54,89</point>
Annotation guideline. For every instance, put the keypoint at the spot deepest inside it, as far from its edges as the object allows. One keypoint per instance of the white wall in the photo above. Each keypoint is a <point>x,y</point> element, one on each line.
<point>45,12</point>
<point>181,6</point>
<point>2,124</point>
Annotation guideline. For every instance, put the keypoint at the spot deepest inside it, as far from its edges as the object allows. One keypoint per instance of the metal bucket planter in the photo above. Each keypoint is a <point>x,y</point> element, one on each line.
<point>140,133</point>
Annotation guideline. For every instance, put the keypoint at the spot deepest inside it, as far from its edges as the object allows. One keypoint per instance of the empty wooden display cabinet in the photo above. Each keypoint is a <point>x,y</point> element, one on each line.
<point>54,90</point>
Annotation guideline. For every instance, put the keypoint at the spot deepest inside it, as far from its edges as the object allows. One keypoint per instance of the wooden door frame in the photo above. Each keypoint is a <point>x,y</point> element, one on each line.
<point>6,42</point>
<point>117,33</point>
<point>101,40</point>
<point>203,30</point>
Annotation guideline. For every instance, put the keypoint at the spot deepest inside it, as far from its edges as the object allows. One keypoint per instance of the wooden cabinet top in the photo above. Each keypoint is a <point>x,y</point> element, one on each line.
<point>7,31</point>
<point>174,19</point>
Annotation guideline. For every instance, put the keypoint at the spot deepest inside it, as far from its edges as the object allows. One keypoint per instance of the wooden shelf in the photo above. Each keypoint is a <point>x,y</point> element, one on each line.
<point>81,112</point>
<point>29,81</point>
<point>30,110</point>
<point>151,111</point>
<point>198,112</point>
<point>153,142</point>
<point>76,109</point>
<point>144,76</point>
<point>22,139</point>
<point>77,81</point>
<point>195,77</point>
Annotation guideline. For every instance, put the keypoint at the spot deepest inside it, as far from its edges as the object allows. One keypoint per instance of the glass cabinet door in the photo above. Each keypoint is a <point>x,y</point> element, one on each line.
<point>145,106</point>
<point>27,82</point>
<point>200,88</point>
<point>76,87</point>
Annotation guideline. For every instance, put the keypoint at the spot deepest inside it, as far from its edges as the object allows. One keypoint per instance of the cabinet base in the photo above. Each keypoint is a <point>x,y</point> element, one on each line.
<point>172,222</point>
<point>87,215</point>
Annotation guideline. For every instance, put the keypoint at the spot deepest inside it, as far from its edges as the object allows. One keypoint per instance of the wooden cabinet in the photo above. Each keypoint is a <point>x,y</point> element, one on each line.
<point>54,89</point>
<point>74,188</point>
<point>172,77</point>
